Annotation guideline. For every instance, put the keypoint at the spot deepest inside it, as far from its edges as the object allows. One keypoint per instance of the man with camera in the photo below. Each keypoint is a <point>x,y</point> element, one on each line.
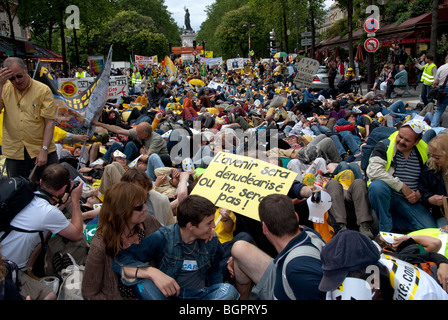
<point>43,214</point>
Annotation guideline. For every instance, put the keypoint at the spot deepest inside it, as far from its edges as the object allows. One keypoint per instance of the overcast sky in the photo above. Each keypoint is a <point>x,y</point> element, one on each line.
<point>196,9</point>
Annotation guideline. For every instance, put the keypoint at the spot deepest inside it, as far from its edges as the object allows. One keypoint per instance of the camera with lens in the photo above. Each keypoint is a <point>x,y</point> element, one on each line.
<point>69,187</point>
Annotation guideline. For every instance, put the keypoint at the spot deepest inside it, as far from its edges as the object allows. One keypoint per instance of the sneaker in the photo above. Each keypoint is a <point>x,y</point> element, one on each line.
<point>364,228</point>
<point>61,262</point>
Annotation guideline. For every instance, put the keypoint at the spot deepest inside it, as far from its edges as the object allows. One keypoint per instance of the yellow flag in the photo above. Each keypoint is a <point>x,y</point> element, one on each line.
<point>169,67</point>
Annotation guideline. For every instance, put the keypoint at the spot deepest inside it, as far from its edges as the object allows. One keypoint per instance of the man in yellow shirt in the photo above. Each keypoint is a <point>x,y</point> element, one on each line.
<point>28,123</point>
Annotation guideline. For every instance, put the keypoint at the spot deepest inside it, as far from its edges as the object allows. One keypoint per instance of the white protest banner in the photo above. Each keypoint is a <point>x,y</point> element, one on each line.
<point>306,69</point>
<point>143,61</point>
<point>211,61</point>
<point>70,87</point>
<point>214,85</point>
<point>239,183</point>
<point>233,64</point>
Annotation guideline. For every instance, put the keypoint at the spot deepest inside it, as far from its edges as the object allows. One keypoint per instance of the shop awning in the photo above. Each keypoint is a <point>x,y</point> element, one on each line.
<point>26,50</point>
<point>390,38</point>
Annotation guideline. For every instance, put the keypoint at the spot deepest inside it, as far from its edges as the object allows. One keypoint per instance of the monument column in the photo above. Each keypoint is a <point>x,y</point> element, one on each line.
<point>188,36</point>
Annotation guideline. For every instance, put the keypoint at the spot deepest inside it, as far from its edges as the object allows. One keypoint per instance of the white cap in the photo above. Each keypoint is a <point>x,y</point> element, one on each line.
<point>134,162</point>
<point>97,162</point>
<point>119,154</point>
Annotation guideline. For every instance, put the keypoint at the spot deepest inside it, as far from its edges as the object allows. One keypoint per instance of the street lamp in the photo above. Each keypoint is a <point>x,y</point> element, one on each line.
<point>248,27</point>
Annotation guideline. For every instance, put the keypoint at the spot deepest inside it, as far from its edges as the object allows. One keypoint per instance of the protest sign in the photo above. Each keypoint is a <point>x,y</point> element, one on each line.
<point>306,69</point>
<point>211,61</point>
<point>239,183</point>
<point>143,61</point>
<point>74,90</point>
<point>96,63</point>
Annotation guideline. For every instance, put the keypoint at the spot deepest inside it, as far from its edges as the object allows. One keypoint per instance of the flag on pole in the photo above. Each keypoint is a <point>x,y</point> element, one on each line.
<point>169,68</point>
<point>99,96</point>
<point>132,64</point>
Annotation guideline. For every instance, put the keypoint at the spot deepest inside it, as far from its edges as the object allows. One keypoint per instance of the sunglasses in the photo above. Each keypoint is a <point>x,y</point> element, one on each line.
<point>19,76</point>
<point>139,208</point>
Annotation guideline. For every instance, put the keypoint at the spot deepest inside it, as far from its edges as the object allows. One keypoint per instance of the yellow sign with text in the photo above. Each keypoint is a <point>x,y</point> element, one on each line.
<point>239,183</point>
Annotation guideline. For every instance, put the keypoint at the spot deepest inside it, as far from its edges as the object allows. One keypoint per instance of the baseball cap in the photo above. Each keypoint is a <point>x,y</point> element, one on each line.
<point>349,250</point>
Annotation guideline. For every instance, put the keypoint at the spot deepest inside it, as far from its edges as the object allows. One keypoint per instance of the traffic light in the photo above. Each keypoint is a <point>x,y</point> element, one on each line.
<point>194,44</point>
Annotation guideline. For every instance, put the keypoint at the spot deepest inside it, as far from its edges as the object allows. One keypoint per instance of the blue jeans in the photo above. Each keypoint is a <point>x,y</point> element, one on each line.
<point>425,91</point>
<point>130,150</point>
<point>147,290</point>
<point>398,108</point>
<point>440,109</point>
<point>318,129</point>
<point>342,166</point>
<point>345,142</point>
<point>154,162</point>
<point>395,212</point>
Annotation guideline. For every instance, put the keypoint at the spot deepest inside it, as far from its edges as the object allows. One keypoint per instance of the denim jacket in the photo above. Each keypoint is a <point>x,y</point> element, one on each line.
<point>164,247</point>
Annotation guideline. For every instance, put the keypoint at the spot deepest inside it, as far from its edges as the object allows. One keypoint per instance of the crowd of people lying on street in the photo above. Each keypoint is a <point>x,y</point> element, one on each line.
<point>131,229</point>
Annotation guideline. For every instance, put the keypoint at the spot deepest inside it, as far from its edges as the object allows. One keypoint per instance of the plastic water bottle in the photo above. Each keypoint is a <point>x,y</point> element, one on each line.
<point>318,185</point>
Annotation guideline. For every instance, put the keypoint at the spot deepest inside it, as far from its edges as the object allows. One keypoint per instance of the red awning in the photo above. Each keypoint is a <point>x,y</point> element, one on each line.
<point>386,39</point>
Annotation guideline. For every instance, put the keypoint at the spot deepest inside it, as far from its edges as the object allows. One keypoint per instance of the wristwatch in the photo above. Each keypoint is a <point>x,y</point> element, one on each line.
<point>45,148</point>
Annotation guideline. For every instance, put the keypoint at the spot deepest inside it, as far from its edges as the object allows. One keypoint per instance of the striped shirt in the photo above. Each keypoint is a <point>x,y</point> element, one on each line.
<point>408,171</point>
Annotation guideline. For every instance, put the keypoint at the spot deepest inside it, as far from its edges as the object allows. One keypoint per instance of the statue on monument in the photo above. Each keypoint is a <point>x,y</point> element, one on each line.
<point>187,20</point>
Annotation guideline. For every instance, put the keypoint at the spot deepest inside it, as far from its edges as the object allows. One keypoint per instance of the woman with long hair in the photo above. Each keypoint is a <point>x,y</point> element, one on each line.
<point>123,221</point>
<point>158,205</point>
<point>433,181</point>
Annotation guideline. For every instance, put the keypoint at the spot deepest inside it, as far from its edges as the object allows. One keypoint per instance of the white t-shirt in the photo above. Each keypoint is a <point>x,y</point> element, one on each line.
<point>39,214</point>
<point>442,73</point>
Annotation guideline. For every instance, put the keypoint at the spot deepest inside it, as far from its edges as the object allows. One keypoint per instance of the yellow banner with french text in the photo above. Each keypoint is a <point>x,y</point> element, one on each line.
<point>239,183</point>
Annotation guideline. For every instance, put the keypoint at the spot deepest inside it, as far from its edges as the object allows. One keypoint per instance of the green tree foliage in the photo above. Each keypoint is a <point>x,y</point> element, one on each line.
<point>158,11</point>
<point>232,37</point>
<point>127,36</point>
<point>400,10</point>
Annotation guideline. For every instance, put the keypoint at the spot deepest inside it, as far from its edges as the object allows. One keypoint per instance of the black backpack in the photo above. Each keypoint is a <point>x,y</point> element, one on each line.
<point>15,194</point>
<point>375,136</point>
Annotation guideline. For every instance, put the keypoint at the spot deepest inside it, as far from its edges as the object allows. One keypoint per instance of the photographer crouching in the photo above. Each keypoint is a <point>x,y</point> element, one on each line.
<point>41,218</point>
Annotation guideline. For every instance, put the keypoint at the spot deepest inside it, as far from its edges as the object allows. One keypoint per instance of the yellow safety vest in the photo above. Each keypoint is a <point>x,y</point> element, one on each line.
<point>81,75</point>
<point>136,80</point>
<point>427,76</point>
<point>421,147</point>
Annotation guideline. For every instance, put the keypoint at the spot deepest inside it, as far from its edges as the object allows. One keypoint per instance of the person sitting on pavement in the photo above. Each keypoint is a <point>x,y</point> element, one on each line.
<point>350,202</point>
<point>400,79</point>
<point>123,221</point>
<point>187,257</point>
<point>249,265</point>
<point>393,171</point>
<point>432,183</point>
